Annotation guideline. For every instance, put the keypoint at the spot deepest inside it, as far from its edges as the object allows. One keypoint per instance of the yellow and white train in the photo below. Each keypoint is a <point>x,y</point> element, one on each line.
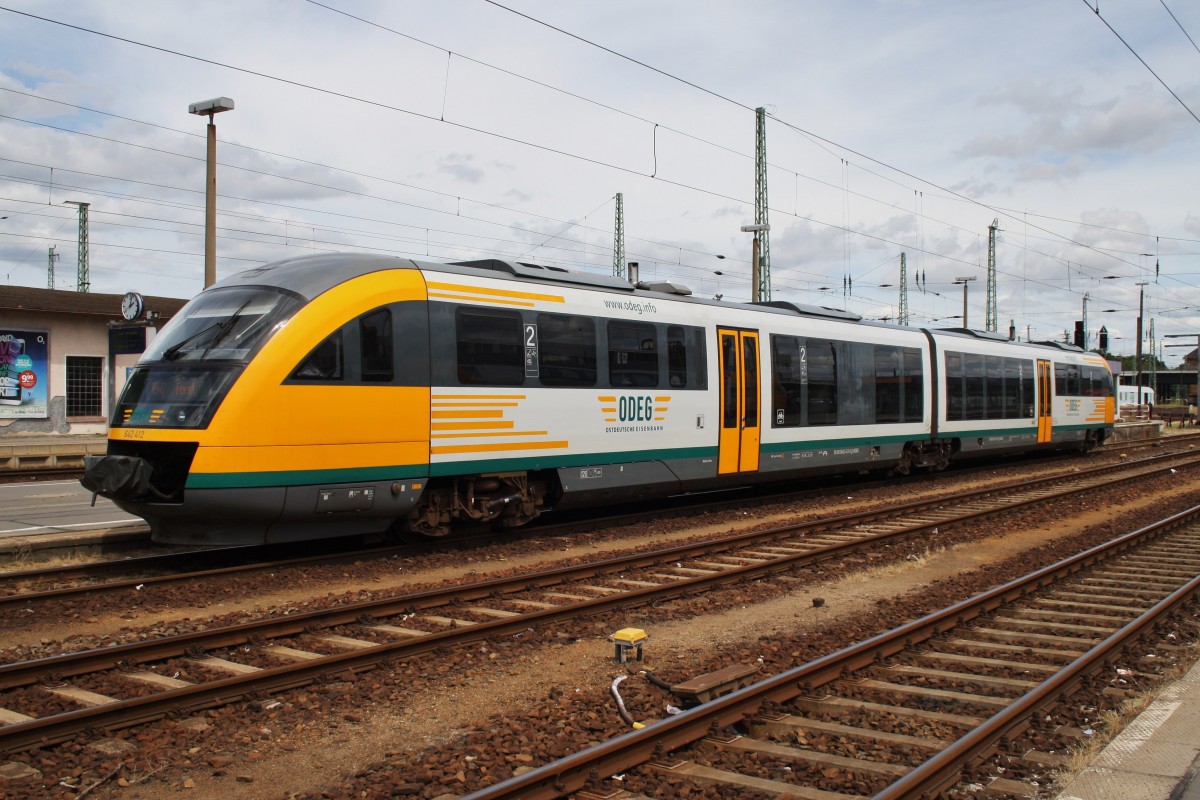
<point>336,395</point>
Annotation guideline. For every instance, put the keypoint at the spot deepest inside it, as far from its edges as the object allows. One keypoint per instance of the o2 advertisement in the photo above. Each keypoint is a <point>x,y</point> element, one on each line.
<point>24,373</point>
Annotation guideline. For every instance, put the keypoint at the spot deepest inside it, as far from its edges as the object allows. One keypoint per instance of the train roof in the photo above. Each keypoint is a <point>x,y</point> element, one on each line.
<point>312,275</point>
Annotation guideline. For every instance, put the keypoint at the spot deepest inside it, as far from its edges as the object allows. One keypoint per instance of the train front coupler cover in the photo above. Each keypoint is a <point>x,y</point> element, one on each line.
<point>117,477</point>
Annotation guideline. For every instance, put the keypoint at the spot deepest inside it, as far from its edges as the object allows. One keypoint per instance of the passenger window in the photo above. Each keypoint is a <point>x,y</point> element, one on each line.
<point>822,383</point>
<point>677,372</point>
<point>375,341</point>
<point>490,350</point>
<point>632,354</point>
<point>914,386</point>
<point>887,384</point>
<point>994,366</point>
<point>787,381</point>
<point>324,363</point>
<point>955,396</point>
<point>566,350</point>
<point>976,387</point>
<point>1012,388</point>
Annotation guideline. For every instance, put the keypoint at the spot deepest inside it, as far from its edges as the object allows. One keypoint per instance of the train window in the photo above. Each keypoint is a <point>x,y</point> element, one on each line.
<point>490,348</point>
<point>376,346</point>
<point>224,325</point>
<point>750,370</point>
<point>1028,372</point>
<point>887,384</point>
<point>729,400</point>
<point>822,382</point>
<point>955,394</point>
<point>632,354</point>
<point>913,385</point>
<point>1066,380</point>
<point>1095,382</point>
<point>994,370</point>
<point>324,363</point>
<point>694,355</point>
<point>974,368</point>
<point>1089,386</point>
<point>566,350</point>
<point>788,368</point>
<point>677,372</point>
<point>1101,381</point>
<point>1012,388</point>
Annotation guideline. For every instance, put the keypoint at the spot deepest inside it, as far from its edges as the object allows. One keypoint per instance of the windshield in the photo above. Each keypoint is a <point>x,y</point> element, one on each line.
<point>223,325</point>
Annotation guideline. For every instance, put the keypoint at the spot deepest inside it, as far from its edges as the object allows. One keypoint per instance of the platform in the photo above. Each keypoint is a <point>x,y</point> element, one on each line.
<point>30,451</point>
<point>1156,757</point>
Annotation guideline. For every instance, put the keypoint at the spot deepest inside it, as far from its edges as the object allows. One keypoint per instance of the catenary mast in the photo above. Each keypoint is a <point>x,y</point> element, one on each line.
<point>762,291</point>
<point>619,238</point>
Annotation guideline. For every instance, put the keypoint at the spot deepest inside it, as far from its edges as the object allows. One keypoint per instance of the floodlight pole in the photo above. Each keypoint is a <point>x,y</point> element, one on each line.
<point>756,292</point>
<point>210,107</point>
<point>964,282</point>
<point>1137,358</point>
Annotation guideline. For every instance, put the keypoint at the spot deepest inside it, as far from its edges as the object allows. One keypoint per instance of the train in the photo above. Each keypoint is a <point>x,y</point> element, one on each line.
<point>352,394</point>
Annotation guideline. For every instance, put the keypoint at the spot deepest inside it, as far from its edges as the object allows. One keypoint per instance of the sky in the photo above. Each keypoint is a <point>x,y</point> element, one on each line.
<point>475,129</point>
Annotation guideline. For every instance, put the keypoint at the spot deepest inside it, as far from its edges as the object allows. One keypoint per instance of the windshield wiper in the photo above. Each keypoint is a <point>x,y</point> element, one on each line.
<point>172,352</point>
<point>223,327</point>
<point>220,327</point>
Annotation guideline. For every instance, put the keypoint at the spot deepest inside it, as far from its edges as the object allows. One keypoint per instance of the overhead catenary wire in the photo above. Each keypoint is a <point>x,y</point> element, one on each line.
<point>1136,55</point>
<point>845,227</point>
<point>557,151</point>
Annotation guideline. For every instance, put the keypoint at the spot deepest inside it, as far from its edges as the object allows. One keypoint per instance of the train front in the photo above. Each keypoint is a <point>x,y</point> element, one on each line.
<point>248,420</point>
<point>173,393</point>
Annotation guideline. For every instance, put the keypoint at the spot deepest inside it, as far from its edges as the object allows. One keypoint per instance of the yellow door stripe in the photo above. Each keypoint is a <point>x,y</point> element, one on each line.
<point>480,397</point>
<point>551,298</point>
<point>471,426</point>
<point>444,296</point>
<point>467,414</point>
<point>497,433</point>
<point>491,404</point>
<point>498,447</point>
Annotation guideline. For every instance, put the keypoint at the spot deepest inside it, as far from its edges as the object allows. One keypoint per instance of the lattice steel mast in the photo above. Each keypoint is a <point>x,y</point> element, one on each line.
<point>903,289</point>
<point>991,322</point>
<point>83,280</point>
<point>619,238</point>
<point>50,268</point>
<point>762,290</point>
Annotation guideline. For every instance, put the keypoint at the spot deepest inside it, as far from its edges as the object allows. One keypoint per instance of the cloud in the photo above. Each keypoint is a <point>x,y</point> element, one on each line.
<point>1064,134</point>
<point>459,166</point>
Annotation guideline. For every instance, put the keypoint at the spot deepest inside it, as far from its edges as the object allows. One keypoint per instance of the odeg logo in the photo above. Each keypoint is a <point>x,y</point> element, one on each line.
<point>635,409</point>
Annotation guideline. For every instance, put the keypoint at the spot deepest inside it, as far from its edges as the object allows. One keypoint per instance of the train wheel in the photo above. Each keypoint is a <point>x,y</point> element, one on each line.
<point>431,518</point>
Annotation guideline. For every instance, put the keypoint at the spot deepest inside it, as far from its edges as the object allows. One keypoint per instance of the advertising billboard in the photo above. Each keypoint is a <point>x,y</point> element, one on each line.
<point>24,373</point>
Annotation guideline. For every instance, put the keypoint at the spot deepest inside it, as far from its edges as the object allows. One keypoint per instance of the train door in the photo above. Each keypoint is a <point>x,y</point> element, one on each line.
<point>1045,407</point>
<point>739,401</point>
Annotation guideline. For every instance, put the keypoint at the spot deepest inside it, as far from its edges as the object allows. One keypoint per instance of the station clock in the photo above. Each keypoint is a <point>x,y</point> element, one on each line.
<point>132,305</point>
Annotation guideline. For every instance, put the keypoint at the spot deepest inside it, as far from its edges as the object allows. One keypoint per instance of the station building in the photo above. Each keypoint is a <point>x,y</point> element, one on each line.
<point>65,355</point>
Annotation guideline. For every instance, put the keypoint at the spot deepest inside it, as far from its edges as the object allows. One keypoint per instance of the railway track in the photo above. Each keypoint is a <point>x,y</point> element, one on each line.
<point>20,588</point>
<point>50,699</point>
<point>974,693</point>
<point>139,563</point>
